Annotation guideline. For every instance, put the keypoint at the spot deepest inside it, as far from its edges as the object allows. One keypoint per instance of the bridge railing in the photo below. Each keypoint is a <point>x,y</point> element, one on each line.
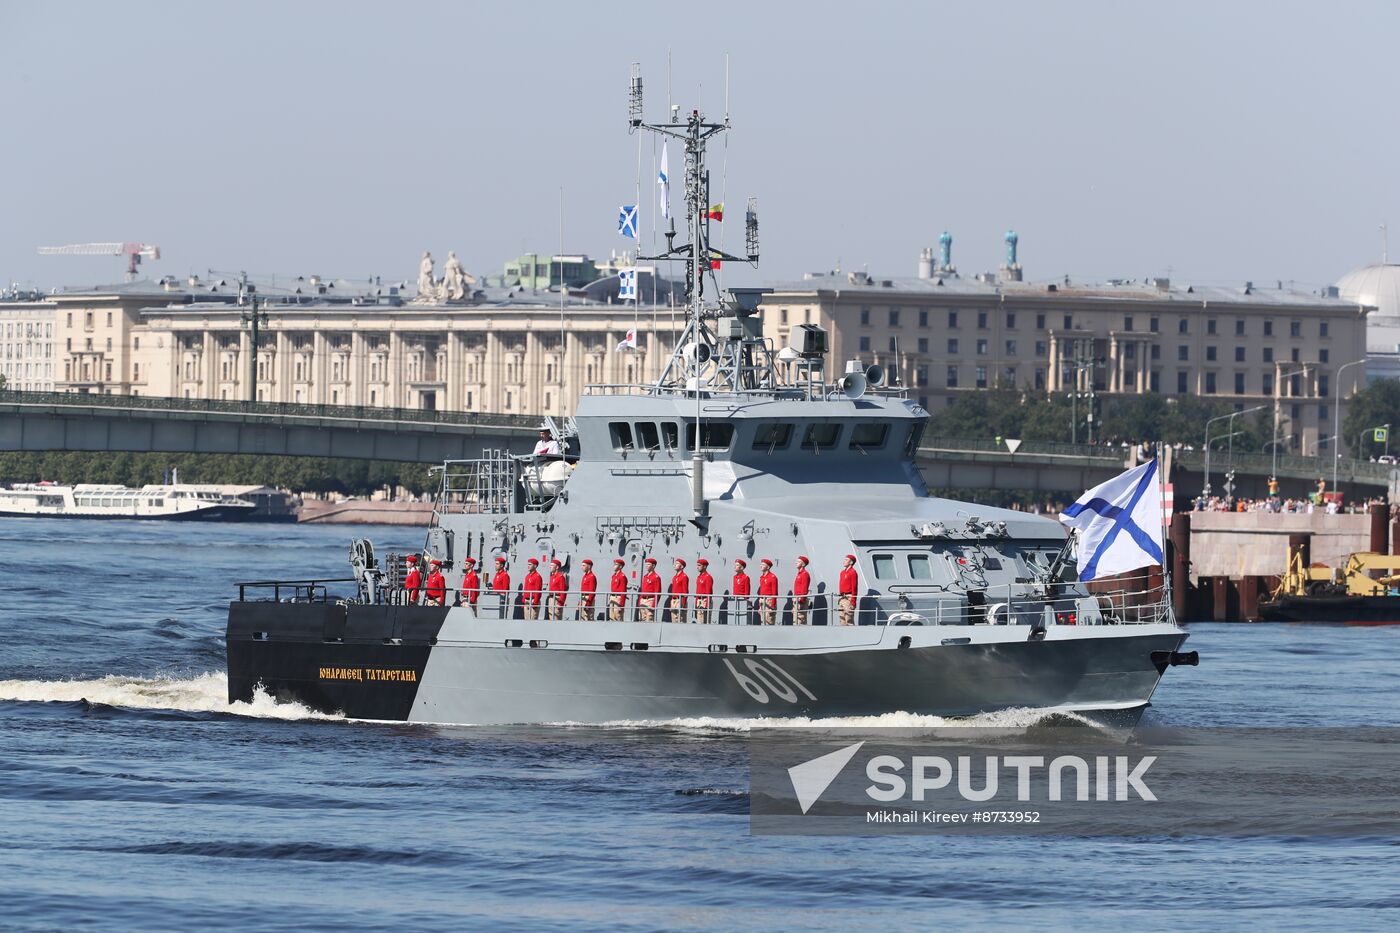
<point>1263,464</point>
<point>276,409</point>
<point>990,445</point>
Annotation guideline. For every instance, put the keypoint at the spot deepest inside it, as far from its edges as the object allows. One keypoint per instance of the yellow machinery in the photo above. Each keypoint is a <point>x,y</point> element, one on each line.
<point>1352,579</point>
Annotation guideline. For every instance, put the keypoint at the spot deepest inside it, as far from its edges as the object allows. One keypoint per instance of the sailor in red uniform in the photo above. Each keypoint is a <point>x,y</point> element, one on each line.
<point>846,598</point>
<point>588,589</point>
<point>704,590</point>
<point>617,591</point>
<point>801,586</point>
<point>531,589</point>
<point>558,589</point>
<point>500,585</point>
<point>767,594</point>
<point>471,583</point>
<point>413,580</point>
<point>680,592</point>
<point>743,609</point>
<point>437,586</point>
<point>650,592</point>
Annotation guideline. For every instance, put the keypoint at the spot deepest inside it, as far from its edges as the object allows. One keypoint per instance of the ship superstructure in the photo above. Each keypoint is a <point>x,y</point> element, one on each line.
<point>742,454</point>
<point>169,502</point>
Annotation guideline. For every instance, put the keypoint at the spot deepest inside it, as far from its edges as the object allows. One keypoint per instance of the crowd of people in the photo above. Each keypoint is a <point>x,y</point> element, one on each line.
<point>677,600</point>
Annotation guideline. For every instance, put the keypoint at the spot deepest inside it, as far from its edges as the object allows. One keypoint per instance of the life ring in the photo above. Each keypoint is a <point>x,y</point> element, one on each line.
<point>1004,609</point>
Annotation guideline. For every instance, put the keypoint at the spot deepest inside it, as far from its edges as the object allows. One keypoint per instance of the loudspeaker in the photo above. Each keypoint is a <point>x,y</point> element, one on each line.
<point>852,385</point>
<point>875,375</point>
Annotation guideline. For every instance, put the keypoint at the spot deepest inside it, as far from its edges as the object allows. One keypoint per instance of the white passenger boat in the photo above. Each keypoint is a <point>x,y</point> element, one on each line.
<point>178,502</point>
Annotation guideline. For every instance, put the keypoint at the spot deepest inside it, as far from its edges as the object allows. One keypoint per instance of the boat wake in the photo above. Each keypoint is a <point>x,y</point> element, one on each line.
<point>202,693</point>
<point>1018,718</point>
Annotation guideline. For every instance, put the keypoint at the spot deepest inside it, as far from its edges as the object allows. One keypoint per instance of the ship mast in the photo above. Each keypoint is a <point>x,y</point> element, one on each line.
<point>698,344</point>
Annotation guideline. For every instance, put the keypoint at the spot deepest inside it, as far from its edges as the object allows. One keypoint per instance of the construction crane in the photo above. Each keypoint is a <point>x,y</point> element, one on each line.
<point>134,253</point>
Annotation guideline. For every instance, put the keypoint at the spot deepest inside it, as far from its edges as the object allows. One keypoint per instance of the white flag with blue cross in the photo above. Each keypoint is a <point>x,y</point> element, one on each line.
<point>1119,524</point>
<point>627,220</point>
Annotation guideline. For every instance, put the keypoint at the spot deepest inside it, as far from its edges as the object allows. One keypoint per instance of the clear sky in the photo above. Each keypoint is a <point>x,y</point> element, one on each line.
<point>1219,142</point>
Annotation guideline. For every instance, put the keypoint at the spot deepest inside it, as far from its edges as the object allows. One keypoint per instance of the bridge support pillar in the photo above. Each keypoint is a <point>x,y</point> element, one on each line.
<point>1180,561</point>
<point>1380,537</point>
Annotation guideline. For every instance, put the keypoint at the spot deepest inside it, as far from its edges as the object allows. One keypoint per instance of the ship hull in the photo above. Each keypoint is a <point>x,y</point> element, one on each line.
<point>215,513</point>
<point>1355,610</point>
<point>445,666</point>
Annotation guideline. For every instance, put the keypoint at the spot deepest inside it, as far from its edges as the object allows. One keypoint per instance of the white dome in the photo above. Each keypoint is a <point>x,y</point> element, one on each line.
<point>1376,285</point>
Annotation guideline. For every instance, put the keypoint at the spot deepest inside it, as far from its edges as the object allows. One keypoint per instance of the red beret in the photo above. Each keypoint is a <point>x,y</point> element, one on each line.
<point>702,563</point>
<point>588,562</point>
<point>618,562</point>
<point>681,561</point>
<point>500,560</point>
<point>651,560</point>
<point>532,562</point>
<point>412,558</point>
<point>469,561</point>
<point>741,562</point>
<point>556,562</point>
<point>851,557</point>
<point>803,558</point>
<point>436,562</point>
<point>767,562</point>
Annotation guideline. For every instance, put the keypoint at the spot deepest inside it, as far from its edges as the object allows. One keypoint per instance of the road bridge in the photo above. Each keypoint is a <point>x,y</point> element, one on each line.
<point>42,421</point>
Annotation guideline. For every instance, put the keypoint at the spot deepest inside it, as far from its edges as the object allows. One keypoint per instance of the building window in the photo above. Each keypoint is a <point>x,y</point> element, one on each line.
<point>1008,376</point>
<point>894,344</point>
<point>921,376</point>
<point>1128,322</point>
<point>981,377</point>
<point>1156,381</point>
<point>782,316</point>
<point>1011,321</point>
<point>865,344</point>
<point>1239,383</point>
<point>952,346</point>
<point>1268,328</point>
<point>1210,354</point>
<point>1181,383</point>
<point>981,320</point>
<point>1069,322</point>
<point>1129,351</point>
<point>1210,383</point>
<point>1295,353</point>
<point>923,344</point>
<point>1268,386</point>
<point>1183,352</point>
<point>865,317</point>
<point>1210,326</point>
<point>1296,412</point>
<point>135,343</point>
<point>952,319</point>
<point>1040,378</point>
<point>1010,348</point>
<point>981,348</point>
<point>1322,385</point>
<point>1268,354</point>
<point>1040,348</point>
<point>1239,327</point>
<point>1154,324</point>
<point>1239,354</point>
<point>1156,352</point>
<point>70,318</point>
<point>894,317</point>
<point>109,344</point>
<point>923,317</point>
<point>1183,326</point>
<point>1295,328</point>
<point>952,382</point>
<point>1040,322</point>
<point>1322,329</point>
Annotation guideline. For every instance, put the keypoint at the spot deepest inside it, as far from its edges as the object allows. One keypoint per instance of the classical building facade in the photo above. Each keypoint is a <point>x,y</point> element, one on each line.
<point>26,345</point>
<point>509,357</point>
<point>947,335</point>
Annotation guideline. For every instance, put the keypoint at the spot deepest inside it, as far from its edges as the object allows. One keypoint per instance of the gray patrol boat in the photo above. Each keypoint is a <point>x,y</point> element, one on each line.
<point>740,451</point>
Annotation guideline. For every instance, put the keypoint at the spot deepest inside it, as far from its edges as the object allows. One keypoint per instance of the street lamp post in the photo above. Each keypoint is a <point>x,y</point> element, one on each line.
<point>1231,436</point>
<point>1337,423</point>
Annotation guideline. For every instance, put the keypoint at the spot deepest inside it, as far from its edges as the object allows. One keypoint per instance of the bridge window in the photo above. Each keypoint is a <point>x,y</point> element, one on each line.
<point>621,433</point>
<point>647,436</point>
<point>883,565</point>
<point>821,436</point>
<point>771,437</point>
<point>919,567</point>
<point>915,436</point>
<point>714,435</point>
<point>869,436</point>
<point>671,434</point>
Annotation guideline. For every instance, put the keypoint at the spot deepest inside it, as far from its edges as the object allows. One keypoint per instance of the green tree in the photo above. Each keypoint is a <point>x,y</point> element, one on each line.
<point>1374,406</point>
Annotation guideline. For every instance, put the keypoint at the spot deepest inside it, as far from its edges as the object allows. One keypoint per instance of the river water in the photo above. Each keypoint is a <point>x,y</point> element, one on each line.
<point>132,796</point>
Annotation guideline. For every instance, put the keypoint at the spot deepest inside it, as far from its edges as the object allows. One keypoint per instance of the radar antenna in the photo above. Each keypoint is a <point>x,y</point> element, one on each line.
<point>688,363</point>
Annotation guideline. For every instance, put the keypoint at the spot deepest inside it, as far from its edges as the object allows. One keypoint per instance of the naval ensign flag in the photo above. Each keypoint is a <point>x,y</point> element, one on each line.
<point>1119,524</point>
